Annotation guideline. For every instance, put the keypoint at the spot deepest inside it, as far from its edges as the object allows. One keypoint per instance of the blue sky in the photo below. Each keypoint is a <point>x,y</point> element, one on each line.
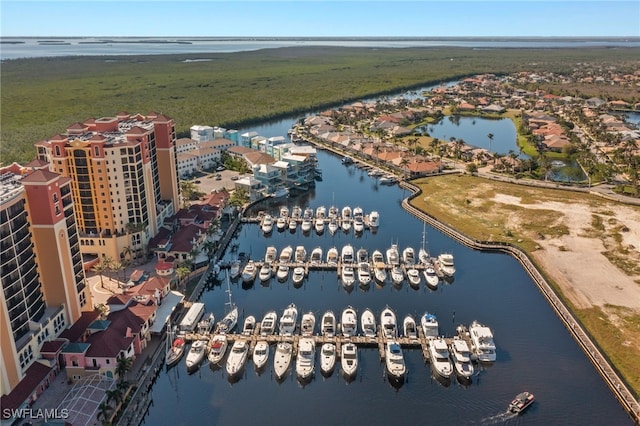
<point>419,18</point>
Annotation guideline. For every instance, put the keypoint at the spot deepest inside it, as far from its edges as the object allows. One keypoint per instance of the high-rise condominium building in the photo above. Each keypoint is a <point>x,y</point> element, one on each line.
<point>124,179</point>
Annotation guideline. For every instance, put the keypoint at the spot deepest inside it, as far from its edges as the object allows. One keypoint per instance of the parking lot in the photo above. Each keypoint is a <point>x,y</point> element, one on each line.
<point>216,180</point>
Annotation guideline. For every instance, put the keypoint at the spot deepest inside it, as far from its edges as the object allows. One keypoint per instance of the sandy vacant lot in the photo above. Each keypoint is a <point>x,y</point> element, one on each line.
<point>576,261</point>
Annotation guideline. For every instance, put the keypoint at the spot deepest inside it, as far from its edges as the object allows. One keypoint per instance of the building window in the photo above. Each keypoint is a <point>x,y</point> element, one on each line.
<point>96,151</point>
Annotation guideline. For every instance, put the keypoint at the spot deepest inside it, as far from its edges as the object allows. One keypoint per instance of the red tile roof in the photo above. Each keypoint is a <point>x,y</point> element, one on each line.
<point>32,379</point>
<point>40,176</point>
<point>52,346</point>
<point>76,331</point>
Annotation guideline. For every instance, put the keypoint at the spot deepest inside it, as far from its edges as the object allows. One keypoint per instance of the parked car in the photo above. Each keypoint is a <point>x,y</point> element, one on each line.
<point>234,177</point>
<point>221,168</point>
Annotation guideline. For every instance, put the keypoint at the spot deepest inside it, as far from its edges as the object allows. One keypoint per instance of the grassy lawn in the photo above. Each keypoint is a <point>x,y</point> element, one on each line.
<point>41,97</point>
<point>467,204</point>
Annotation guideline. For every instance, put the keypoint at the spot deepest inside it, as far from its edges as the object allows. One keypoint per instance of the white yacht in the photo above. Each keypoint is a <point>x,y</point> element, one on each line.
<point>217,348</point>
<point>439,355</point>
<point>349,322</point>
<point>264,274</point>
<point>321,216</point>
<point>284,212</point>
<point>267,224</point>
<point>286,254</point>
<point>332,256</point>
<point>282,359</point>
<point>333,225</point>
<point>429,325</point>
<point>445,261</point>
<point>379,268</point>
<point>306,224</point>
<point>316,256</point>
<point>249,325</point>
<point>413,276</point>
<point>482,345</point>
<point>394,360</point>
<point>348,276</point>
<point>327,358</point>
<point>308,324</point>
<point>288,320</point>
<point>260,354</point>
<point>461,357</point>
<point>333,212</point>
<point>349,360</point>
<point>346,218</point>
<point>300,254</point>
<point>347,255</point>
<point>234,269</point>
<point>328,324</point>
<point>281,223</point>
<point>298,275</point>
<point>283,272</point>
<point>237,357</point>
<point>271,255</point>
<point>293,224</point>
<point>388,323</point>
<point>364,273</point>
<point>409,327</point>
<point>397,276</point>
<point>430,276</point>
<point>249,272</point>
<point>368,323</point>
<point>305,360</point>
<point>362,255</point>
<point>408,256</point>
<point>196,354</point>
<point>268,323</point>
<point>374,219</point>
<point>393,255</point>
<point>229,321</point>
<point>358,220</point>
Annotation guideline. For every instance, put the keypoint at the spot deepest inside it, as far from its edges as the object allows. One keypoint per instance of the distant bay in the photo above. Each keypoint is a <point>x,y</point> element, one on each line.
<point>34,47</point>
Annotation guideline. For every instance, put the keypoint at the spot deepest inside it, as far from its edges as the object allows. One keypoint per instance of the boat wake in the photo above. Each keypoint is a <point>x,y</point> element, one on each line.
<point>498,418</point>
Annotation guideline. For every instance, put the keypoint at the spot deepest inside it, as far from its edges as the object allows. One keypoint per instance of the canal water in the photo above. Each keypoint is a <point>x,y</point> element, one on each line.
<point>535,352</point>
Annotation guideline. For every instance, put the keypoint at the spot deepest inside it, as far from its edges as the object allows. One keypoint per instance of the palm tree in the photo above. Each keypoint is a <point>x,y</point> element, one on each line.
<point>404,163</point>
<point>114,394</point>
<point>99,269</point>
<point>115,267</point>
<point>104,409</point>
<point>490,136</point>
<point>123,366</point>
<point>182,272</point>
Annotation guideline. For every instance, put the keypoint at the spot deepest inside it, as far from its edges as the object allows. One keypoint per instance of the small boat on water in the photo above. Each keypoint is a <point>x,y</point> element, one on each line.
<point>316,256</point>
<point>235,269</point>
<point>409,327</point>
<point>521,402</point>
<point>237,358</point>
<point>413,276</point>
<point>281,223</point>
<point>379,268</point>
<point>308,324</point>
<point>293,224</point>
<point>332,256</point>
<point>394,361</point>
<point>229,321</point>
<point>206,324</point>
<point>260,354</point>
<point>408,256</point>
<point>195,355</point>
<point>374,219</point>
<point>362,255</point>
<point>346,218</point>
<point>348,276</point>
<point>264,274</point>
<point>282,359</point>
<point>347,160</point>
<point>482,345</point>
<point>298,275</point>
<point>429,325</point>
<point>268,323</point>
<point>333,225</point>
<point>397,276</point>
<point>349,322</point>
<point>267,224</point>
<point>321,213</point>
<point>430,276</point>
<point>445,262</point>
<point>388,180</point>
<point>284,211</point>
<point>368,323</point>
<point>364,273</point>
<point>439,355</point>
<point>334,212</point>
<point>249,272</point>
<point>327,358</point>
<point>347,255</point>
<point>461,357</point>
<point>388,323</point>
<point>393,256</point>
<point>249,325</point>
<point>283,268</point>
<point>271,255</point>
<point>300,254</point>
<point>358,220</point>
<point>349,360</point>
<point>175,352</point>
<point>288,320</point>
<point>305,360</point>
<point>306,225</point>
<point>217,348</point>
<point>328,324</point>
<point>283,272</point>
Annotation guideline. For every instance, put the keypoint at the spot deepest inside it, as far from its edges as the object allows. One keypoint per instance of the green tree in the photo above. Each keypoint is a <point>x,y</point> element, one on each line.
<point>123,366</point>
<point>490,136</point>
<point>182,272</point>
<point>104,412</point>
<point>99,268</point>
<point>472,168</point>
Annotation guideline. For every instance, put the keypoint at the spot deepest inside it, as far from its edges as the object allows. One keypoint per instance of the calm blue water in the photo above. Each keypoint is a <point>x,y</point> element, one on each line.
<point>96,46</point>
<point>535,352</point>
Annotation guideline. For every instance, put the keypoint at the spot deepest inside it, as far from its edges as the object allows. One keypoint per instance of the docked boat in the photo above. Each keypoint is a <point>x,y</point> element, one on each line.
<point>267,224</point>
<point>229,321</point>
<point>429,325</point>
<point>461,357</point>
<point>364,273</point>
<point>284,212</point>
<point>332,256</point>
<point>283,272</point>
<point>305,360</point>
<point>333,212</point>
<point>423,254</point>
<point>293,224</point>
<point>408,256</point>
<point>388,180</point>
<point>282,359</point>
<point>409,327</point>
<point>349,322</point>
<point>296,213</point>
<point>394,361</point>
<point>347,160</point>
<point>348,276</point>
<point>217,348</point>
<point>260,354</point>
<point>235,269</point>
<point>175,352</point>
<point>347,255</point>
<point>388,323</point>
<point>321,213</point>
<point>368,323</point>
<point>306,225</point>
<point>430,276</point>
<point>308,324</point>
<point>328,324</point>
<point>358,219</point>
<point>316,256</point>
<point>196,354</point>
<point>346,217</point>
<point>379,268</point>
<point>413,276</point>
<point>393,256</point>
<point>362,255</point>
<point>333,225</point>
<point>327,358</point>
<point>206,324</point>
<point>264,274</point>
<point>318,225</point>
<point>439,355</point>
<point>521,402</point>
<point>300,254</point>
<point>283,268</point>
<point>349,360</point>
<point>281,223</point>
<point>249,272</point>
<point>268,323</point>
<point>445,262</point>
<point>249,325</point>
<point>374,219</point>
<point>298,275</point>
<point>237,357</point>
<point>482,345</point>
<point>397,276</point>
<point>288,320</point>
<point>271,255</point>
